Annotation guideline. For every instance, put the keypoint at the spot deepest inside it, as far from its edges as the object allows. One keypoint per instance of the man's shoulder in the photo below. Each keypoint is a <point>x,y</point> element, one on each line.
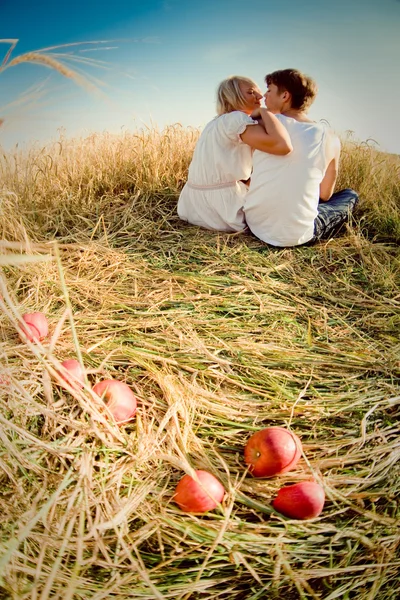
<point>332,146</point>
<point>333,140</point>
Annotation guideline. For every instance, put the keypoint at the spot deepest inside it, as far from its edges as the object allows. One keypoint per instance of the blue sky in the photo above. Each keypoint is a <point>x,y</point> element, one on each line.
<point>163,60</point>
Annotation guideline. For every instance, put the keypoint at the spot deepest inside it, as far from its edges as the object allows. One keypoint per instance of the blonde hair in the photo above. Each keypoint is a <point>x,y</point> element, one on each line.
<point>229,94</point>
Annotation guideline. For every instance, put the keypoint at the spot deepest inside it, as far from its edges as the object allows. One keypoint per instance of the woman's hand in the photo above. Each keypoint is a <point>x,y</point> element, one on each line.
<point>256,114</point>
<point>269,135</point>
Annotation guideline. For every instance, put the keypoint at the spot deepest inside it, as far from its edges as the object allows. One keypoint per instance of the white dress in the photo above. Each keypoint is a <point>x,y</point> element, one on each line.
<point>213,196</point>
<point>282,201</point>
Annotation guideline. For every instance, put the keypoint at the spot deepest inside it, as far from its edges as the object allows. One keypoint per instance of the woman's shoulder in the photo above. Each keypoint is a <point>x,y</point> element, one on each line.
<point>235,122</point>
<point>236,115</point>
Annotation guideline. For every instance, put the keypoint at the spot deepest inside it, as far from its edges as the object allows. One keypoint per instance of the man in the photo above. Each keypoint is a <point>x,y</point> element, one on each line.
<point>291,201</point>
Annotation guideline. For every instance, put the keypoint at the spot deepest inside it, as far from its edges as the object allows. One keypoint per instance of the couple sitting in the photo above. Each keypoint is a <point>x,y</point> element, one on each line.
<point>292,160</point>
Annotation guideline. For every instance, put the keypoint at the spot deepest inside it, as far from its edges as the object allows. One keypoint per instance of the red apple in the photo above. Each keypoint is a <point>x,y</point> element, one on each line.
<point>199,496</point>
<point>35,326</point>
<point>304,500</point>
<point>121,401</point>
<point>272,451</point>
<point>75,376</point>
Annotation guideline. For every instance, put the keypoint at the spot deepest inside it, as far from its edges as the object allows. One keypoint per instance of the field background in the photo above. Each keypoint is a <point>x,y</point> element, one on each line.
<point>219,336</point>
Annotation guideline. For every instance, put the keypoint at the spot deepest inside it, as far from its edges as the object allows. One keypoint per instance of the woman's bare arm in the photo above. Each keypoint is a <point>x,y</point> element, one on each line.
<point>271,136</point>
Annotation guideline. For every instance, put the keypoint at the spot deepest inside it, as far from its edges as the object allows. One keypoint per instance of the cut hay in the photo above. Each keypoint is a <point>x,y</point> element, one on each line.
<point>218,336</point>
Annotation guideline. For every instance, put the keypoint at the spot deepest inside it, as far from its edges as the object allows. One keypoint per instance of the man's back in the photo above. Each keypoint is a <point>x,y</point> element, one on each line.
<point>282,201</point>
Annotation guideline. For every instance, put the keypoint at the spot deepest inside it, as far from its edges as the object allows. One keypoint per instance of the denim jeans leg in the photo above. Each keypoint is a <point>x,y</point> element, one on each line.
<point>333,213</point>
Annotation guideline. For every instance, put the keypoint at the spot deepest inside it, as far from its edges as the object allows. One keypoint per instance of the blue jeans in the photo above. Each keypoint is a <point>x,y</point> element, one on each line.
<point>333,213</point>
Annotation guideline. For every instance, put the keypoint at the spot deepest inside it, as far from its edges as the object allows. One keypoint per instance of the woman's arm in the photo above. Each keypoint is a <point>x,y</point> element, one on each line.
<point>271,136</point>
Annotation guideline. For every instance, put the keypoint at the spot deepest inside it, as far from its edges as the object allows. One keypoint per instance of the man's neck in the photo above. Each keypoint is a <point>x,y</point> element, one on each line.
<point>297,115</point>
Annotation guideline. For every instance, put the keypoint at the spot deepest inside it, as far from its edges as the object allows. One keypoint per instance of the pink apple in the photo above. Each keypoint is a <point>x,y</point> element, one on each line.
<point>304,500</point>
<point>199,496</point>
<point>75,376</point>
<point>35,326</point>
<point>272,451</point>
<point>120,399</point>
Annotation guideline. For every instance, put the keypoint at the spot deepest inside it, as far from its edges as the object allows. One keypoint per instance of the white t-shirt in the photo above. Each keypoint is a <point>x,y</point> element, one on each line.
<point>213,196</point>
<point>282,202</point>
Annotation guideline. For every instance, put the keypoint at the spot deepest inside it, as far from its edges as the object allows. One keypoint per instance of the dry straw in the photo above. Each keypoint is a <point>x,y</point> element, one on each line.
<point>50,62</point>
<point>218,336</point>
<point>57,62</point>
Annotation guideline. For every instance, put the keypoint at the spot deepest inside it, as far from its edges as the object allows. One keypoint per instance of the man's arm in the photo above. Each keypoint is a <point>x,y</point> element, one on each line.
<point>270,136</point>
<point>332,152</point>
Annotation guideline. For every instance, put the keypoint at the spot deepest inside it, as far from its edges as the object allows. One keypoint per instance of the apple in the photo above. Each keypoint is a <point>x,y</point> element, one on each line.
<point>304,500</point>
<point>199,495</point>
<point>75,376</point>
<point>121,401</point>
<point>272,451</point>
<point>35,326</point>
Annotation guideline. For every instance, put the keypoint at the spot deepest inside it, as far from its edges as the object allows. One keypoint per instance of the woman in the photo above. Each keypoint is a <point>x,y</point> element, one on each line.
<point>213,196</point>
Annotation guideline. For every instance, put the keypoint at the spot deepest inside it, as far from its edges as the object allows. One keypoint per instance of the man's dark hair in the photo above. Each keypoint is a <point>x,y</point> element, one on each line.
<point>302,88</point>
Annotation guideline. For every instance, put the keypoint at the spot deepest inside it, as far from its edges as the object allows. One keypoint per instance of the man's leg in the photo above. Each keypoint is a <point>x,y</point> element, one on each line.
<point>333,213</point>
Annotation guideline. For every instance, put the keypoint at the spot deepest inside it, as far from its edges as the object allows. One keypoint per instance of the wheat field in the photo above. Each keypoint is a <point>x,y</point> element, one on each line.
<point>219,336</point>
